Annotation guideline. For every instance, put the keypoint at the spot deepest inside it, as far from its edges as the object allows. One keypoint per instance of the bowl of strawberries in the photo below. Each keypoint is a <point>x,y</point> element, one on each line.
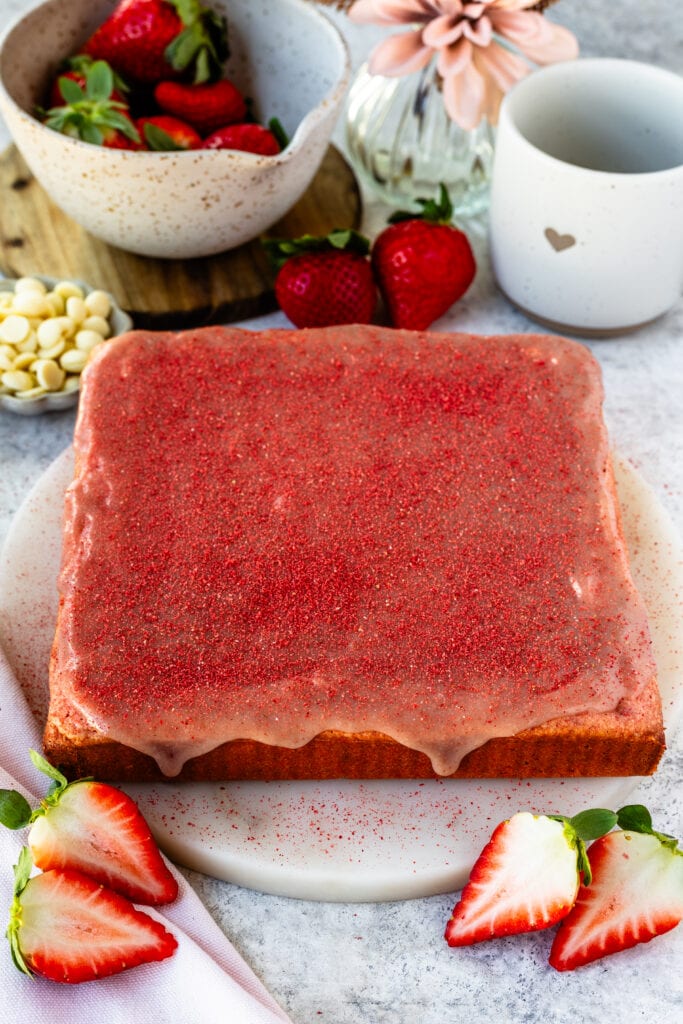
<point>173,128</point>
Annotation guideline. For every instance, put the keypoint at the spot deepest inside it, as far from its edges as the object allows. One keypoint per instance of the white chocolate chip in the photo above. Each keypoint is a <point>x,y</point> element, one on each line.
<point>24,361</point>
<point>51,331</point>
<point>17,380</point>
<point>86,340</point>
<point>72,383</point>
<point>97,323</point>
<point>29,344</point>
<point>67,289</point>
<point>48,374</point>
<point>73,360</point>
<point>14,329</point>
<point>98,303</point>
<point>53,352</point>
<point>75,308</point>
<point>31,303</point>
<point>34,392</point>
<point>57,301</point>
<point>29,284</point>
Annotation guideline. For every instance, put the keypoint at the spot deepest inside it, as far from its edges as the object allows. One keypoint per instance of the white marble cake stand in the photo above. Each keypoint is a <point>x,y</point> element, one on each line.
<point>343,840</point>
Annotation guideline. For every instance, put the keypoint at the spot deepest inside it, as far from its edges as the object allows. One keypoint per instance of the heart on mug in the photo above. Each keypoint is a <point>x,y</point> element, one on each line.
<point>558,241</point>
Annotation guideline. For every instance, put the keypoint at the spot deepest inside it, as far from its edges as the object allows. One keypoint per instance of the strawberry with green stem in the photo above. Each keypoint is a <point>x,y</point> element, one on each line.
<point>92,112</point>
<point>527,876</point>
<point>636,893</point>
<point>75,68</point>
<point>423,263</point>
<point>96,829</point>
<point>323,281</point>
<point>162,132</point>
<point>67,927</point>
<point>151,40</point>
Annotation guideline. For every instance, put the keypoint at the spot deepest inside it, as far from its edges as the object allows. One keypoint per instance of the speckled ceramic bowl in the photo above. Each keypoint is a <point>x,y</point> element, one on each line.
<point>286,55</point>
<point>55,401</point>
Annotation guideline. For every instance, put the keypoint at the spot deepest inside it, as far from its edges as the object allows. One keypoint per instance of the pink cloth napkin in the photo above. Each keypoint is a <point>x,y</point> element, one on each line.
<point>205,981</point>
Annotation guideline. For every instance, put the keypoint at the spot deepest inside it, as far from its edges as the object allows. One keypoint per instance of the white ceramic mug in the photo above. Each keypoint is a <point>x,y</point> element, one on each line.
<point>586,217</point>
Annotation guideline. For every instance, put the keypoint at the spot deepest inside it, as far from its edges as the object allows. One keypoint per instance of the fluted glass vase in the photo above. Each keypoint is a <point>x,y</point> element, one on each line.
<point>403,144</point>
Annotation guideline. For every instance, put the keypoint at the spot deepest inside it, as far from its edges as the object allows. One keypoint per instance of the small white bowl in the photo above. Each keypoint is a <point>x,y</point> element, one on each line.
<point>55,401</point>
<point>285,55</point>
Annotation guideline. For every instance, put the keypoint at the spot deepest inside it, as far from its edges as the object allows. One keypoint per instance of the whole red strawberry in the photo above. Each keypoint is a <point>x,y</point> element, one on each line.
<point>91,112</point>
<point>252,138</point>
<point>74,68</point>
<point>423,264</point>
<point>324,281</point>
<point>151,40</point>
<point>162,132</point>
<point>206,106</point>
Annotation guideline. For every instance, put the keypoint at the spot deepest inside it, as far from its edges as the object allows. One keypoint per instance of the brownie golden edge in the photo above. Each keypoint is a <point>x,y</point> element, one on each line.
<point>626,741</point>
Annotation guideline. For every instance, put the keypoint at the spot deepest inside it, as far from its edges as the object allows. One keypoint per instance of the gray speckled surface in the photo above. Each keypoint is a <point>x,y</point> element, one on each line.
<point>387,963</point>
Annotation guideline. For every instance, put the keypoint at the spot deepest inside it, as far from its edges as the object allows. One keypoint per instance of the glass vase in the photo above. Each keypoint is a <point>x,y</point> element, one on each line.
<point>403,144</point>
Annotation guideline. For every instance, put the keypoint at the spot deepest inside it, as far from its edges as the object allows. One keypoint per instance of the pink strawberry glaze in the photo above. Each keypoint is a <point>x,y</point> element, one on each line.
<point>274,534</point>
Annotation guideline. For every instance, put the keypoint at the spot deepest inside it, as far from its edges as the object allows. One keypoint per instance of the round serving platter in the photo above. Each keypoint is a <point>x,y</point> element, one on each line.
<point>343,840</point>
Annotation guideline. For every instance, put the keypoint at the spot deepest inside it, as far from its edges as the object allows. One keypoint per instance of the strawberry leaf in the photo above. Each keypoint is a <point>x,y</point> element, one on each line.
<point>341,239</point>
<point>15,811</point>
<point>22,870</point>
<point>159,140</point>
<point>203,43</point>
<point>593,824</point>
<point>70,90</point>
<point>89,132</point>
<point>22,873</point>
<point>99,81</point>
<point>275,126</point>
<point>637,818</point>
<point>435,211</point>
<point>60,782</point>
<point>583,864</point>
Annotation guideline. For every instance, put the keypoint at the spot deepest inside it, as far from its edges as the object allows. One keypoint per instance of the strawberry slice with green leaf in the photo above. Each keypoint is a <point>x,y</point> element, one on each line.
<point>94,828</point>
<point>527,876</point>
<point>68,928</point>
<point>91,110</point>
<point>636,893</point>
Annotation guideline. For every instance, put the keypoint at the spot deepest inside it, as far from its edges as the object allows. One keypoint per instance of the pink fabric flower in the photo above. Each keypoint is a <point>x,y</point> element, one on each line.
<point>476,68</point>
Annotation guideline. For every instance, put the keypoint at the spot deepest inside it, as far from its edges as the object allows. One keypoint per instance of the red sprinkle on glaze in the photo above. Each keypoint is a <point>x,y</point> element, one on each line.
<point>273,534</point>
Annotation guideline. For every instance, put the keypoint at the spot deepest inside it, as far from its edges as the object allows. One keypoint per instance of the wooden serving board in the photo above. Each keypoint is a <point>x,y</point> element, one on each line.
<point>36,237</point>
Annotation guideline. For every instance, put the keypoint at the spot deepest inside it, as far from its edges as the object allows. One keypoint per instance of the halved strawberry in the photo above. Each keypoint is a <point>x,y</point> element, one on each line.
<point>636,894</point>
<point>94,828</point>
<point>526,877</point>
<point>66,927</point>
